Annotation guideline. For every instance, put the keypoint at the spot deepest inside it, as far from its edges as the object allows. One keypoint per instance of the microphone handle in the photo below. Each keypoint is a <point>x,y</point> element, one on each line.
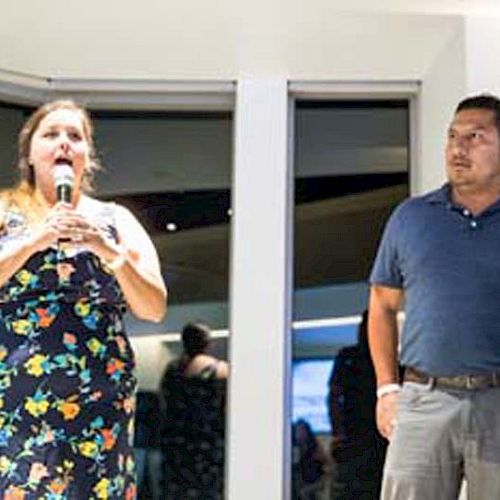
<point>64,193</point>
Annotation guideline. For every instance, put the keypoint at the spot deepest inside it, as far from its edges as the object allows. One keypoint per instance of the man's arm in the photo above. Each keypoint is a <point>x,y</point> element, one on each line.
<point>383,341</point>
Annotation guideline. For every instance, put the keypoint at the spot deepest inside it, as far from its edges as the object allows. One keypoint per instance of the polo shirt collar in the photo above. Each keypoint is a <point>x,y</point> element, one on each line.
<point>442,196</point>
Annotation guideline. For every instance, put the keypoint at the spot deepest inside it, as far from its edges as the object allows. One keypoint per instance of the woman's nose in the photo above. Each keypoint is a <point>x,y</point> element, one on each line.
<point>64,143</point>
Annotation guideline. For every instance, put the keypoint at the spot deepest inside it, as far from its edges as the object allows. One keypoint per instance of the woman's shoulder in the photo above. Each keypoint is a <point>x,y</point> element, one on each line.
<point>13,221</point>
<point>9,209</point>
<point>207,366</point>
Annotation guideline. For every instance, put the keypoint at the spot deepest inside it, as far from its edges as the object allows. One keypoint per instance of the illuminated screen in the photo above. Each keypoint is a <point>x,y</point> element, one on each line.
<point>310,391</point>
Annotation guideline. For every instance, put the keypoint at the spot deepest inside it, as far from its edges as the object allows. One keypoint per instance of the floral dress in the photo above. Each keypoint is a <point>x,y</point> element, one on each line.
<point>66,376</point>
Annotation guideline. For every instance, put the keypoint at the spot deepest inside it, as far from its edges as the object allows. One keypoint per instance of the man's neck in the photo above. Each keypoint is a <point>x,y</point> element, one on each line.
<point>475,201</point>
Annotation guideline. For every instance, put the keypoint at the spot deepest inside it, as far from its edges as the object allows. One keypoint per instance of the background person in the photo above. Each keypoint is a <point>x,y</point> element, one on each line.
<point>309,462</point>
<point>358,449</point>
<point>67,273</point>
<point>147,449</point>
<point>193,394</point>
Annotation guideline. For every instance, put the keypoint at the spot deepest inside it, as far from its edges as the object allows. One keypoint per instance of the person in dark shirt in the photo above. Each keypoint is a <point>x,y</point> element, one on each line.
<point>192,396</point>
<point>358,449</point>
<point>147,445</point>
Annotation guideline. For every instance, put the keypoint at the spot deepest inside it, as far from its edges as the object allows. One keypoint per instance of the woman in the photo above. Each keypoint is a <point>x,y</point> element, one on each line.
<point>67,272</point>
<point>192,394</point>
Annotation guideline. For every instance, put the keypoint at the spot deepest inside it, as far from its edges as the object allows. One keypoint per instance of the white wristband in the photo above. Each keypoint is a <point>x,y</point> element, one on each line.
<point>117,262</point>
<point>383,390</point>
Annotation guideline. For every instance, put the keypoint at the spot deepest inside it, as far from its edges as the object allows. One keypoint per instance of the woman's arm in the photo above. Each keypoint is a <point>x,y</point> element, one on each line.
<point>139,275</point>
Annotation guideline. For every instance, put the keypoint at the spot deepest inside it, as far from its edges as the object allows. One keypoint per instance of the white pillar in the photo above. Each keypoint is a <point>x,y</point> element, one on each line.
<point>442,87</point>
<point>482,38</point>
<point>258,454</point>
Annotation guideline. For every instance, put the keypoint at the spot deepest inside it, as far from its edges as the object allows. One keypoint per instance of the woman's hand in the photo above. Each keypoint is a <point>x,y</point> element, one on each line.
<point>63,223</point>
<point>52,229</point>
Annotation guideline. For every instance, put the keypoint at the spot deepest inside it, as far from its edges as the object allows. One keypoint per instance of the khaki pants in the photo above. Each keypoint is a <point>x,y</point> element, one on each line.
<point>442,437</point>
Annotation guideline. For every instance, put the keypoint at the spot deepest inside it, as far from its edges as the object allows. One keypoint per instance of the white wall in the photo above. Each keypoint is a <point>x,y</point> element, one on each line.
<point>443,85</point>
<point>222,39</point>
<point>482,46</point>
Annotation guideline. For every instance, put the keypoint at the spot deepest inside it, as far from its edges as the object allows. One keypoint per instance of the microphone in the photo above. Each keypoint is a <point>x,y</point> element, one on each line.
<point>63,179</point>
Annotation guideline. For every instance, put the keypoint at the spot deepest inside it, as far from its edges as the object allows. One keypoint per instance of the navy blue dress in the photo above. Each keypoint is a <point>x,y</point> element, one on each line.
<point>66,376</point>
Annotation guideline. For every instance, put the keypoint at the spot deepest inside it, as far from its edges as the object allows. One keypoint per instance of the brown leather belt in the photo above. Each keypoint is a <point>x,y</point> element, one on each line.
<point>466,382</point>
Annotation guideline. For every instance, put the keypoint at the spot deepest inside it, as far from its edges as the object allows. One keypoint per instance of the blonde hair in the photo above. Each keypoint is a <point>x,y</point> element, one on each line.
<point>21,198</point>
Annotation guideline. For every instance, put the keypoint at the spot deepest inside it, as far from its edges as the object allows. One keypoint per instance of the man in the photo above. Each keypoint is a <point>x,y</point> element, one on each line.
<point>441,253</point>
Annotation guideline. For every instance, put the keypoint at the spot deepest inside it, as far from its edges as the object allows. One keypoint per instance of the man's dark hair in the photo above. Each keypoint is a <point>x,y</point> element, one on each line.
<point>195,338</point>
<point>483,101</point>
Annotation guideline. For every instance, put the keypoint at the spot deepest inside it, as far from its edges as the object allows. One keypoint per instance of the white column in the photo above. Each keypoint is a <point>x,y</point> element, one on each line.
<point>258,431</point>
<point>442,87</point>
<point>482,41</point>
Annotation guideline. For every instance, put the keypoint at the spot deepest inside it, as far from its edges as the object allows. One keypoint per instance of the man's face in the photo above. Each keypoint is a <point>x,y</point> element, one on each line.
<point>473,151</point>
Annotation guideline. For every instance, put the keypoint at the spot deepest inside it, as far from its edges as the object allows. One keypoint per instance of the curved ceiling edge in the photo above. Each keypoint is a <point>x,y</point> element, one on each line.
<point>132,93</point>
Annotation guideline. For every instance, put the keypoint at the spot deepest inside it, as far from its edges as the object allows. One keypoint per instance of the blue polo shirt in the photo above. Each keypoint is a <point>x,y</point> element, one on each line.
<point>448,263</point>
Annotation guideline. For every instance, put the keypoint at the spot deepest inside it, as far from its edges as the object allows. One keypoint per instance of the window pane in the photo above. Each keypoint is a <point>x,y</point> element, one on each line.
<point>173,171</point>
<point>351,169</point>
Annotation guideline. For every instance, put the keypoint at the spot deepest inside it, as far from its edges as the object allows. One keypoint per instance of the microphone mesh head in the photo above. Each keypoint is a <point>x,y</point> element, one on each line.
<point>63,175</point>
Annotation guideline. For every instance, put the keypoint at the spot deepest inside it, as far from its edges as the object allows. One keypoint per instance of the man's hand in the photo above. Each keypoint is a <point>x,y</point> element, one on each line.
<point>387,413</point>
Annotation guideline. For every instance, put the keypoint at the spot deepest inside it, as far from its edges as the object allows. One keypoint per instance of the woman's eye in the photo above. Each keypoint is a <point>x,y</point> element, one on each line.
<point>50,134</point>
<point>75,136</point>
